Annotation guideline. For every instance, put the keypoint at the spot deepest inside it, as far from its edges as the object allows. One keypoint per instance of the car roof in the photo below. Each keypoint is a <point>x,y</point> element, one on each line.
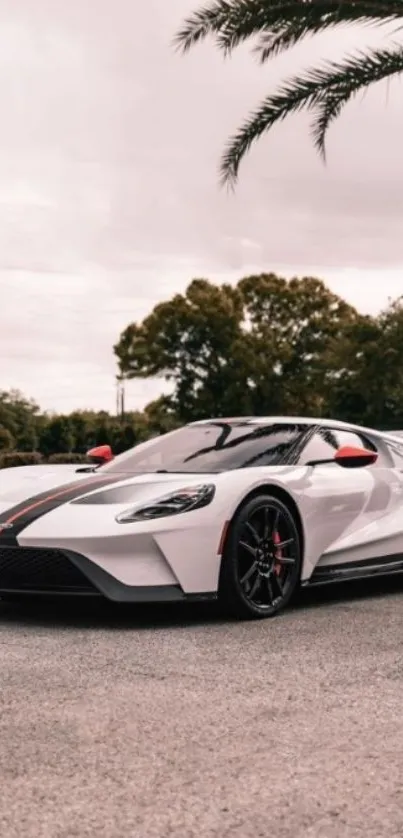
<point>299,420</point>
<point>286,420</point>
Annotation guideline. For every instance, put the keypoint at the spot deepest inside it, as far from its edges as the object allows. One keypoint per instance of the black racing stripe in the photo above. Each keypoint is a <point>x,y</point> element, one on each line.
<point>18,517</point>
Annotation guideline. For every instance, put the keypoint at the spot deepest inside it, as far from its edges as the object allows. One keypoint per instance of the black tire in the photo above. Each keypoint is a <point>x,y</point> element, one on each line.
<point>261,563</point>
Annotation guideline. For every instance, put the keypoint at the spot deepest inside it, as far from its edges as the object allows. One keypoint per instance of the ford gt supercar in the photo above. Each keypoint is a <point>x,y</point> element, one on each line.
<point>242,509</point>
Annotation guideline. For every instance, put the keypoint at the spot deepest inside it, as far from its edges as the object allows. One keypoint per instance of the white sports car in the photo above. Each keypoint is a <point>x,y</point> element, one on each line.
<point>241,509</point>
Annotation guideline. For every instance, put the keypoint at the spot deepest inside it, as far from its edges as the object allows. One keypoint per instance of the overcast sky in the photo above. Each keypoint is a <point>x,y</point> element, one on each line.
<point>109,198</point>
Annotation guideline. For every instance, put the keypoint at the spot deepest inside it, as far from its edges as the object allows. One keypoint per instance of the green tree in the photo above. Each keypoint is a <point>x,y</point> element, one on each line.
<point>369,387</point>
<point>280,25</point>
<point>82,424</point>
<point>7,441</point>
<point>195,342</point>
<point>295,327</point>
<point>20,416</point>
<point>266,345</point>
<point>128,431</point>
<point>160,415</point>
<point>67,438</point>
<point>91,428</point>
<point>57,436</point>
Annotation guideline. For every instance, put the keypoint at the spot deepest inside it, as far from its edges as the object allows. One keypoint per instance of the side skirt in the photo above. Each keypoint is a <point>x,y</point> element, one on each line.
<point>385,566</point>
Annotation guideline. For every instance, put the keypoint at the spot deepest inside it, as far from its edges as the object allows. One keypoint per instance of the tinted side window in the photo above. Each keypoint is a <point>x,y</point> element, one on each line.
<point>354,439</point>
<point>325,442</point>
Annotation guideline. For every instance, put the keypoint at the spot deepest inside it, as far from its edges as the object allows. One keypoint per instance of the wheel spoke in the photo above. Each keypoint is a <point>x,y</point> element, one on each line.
<point>248,547</point>
<point>266,524</point>
<point>285,560</point>
<point>255,587</point>
<point>270,589</point>
<point>285,543</point>
<point>253,532</point>
<point>249,573</point>
<point>278,585</point>
<point>276,520</point>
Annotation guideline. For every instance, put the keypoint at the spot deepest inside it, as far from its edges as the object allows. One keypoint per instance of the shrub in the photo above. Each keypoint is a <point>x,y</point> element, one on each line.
<point>7,441</point>
<point>20,458</point>
<point>67,458</point>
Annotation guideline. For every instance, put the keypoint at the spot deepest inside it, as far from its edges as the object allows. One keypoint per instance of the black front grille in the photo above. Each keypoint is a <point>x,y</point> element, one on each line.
<point>36,570</point>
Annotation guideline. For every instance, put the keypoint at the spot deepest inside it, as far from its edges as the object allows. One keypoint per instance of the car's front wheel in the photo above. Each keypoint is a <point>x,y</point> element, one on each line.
<point>261,564</point>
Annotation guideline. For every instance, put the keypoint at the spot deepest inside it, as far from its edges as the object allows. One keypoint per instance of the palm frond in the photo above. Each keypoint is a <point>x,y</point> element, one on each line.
<point>328,110</point>
<point>208,20</point>
<point>282,23</point>
<point>331,81</point>
<point>337,97</point>
<point>288,30</point>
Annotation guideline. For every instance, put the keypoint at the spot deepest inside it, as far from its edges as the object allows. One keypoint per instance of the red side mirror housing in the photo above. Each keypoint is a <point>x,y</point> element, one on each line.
<point>101,454</point>
<point>350,457</point>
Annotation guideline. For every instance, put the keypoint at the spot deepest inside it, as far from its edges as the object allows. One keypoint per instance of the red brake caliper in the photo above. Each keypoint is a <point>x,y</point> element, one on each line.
<point>279,553</point>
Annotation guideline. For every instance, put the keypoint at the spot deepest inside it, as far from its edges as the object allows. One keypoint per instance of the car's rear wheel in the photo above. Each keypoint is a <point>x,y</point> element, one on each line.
<point>261,564</point>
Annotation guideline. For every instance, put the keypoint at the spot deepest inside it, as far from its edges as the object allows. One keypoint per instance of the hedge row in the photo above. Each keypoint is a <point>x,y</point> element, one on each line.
<point>33,458</point>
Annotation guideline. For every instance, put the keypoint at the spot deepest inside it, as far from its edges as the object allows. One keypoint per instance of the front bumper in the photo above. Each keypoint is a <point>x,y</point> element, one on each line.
<point>45,571</point>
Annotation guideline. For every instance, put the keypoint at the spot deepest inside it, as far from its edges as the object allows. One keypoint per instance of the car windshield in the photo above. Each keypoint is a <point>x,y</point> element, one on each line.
<point>211,447</point>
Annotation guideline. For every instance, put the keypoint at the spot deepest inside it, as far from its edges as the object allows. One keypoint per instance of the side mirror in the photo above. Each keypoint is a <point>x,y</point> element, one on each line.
<point>100,455</point>
<point>350,457</point>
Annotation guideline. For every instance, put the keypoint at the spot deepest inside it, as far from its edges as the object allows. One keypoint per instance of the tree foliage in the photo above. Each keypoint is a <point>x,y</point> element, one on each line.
<point>279,25</point>
<point>370,388</point>
<point>19,416</point>
<point>64,438</point>
<point>193,341</point>
<point>264,346</point>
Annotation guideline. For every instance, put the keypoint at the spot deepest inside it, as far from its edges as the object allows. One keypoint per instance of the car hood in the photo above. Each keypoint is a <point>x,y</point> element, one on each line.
<point>23,482</point>
<point>31,481</point>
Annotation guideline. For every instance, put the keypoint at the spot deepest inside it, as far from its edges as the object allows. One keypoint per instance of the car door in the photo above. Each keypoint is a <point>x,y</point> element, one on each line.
<point>388,529</point>
<point>354,507</point>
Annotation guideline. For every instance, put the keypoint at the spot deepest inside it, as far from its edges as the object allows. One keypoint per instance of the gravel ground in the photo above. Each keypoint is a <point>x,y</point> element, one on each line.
<point>174,722</point>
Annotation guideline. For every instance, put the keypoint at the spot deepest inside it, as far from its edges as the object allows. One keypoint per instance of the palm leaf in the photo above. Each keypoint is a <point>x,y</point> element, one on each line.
<point>281,23</point>
<point>326,88</point>
<point>336,98</point>
<point>328,110</point>
<point>288,30</point>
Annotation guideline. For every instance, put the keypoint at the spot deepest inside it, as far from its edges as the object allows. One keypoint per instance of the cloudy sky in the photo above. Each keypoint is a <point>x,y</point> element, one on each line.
<point>109,199</point>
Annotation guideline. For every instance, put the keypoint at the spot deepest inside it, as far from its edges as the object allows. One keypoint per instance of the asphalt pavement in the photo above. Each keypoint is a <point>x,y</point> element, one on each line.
<point>175,722</point>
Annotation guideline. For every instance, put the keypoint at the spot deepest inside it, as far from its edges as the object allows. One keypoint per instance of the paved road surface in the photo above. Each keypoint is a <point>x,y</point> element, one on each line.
<point>179,724</point>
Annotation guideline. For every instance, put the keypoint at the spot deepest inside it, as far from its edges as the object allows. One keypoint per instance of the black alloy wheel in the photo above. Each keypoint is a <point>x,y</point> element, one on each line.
<point>261,565</point>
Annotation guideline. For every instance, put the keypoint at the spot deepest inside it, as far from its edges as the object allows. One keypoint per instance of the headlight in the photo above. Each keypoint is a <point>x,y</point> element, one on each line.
<point>183,500</point>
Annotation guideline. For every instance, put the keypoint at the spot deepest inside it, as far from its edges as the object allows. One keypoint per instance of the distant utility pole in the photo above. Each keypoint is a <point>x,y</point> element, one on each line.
<point>120,397</point>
